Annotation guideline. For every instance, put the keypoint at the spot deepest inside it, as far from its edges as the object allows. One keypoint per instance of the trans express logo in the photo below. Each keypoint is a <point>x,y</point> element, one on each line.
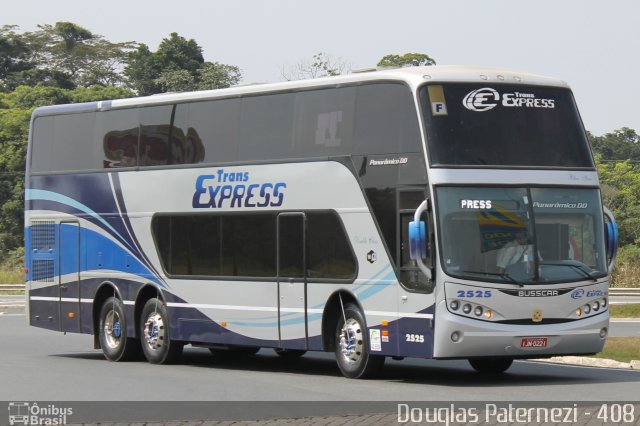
<point>487,98</point>
<point>236,190</point>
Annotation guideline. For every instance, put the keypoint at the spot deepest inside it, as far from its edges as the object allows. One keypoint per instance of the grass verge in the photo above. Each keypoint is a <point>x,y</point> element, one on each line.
<point>622,349</point>
<point>625,311</point>
<point>11,276</point>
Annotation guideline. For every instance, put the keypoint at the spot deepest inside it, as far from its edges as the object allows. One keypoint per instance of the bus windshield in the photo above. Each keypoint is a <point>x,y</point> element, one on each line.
<point>503,125</point>
<point>521,235</point>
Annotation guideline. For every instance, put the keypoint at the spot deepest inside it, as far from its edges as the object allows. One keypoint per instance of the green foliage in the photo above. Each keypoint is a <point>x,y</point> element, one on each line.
<point>15,113</point>
<point>99,93</point>
<point>64,55</point>
<point>621,349</point>
<point>622,144</point>
<point>25,97</point>
<point>620,183</point>
<point>627,267</point>
<point>66,63</point>
<point>406,60</point>
<point>14,52</point>
<point>177,66</point>
<point>625,311</point>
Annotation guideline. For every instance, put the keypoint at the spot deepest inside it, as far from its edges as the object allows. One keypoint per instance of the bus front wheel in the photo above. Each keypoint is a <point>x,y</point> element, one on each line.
<point>352,346</point>
<point>155,336</point>
<point>112,332</point>
<point>491,365</point>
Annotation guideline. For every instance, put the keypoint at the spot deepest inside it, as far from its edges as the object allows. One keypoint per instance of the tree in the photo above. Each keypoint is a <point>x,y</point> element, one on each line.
<point>15,112</point>
<point>621,144</point>
<point>178,65</point>
<point>214,75</point>
<point>620,182</point>
<point>406,60</point>
<point>64,55</point>
<point>322,65</point>
<point>14,56</point>
<point>86,58</point>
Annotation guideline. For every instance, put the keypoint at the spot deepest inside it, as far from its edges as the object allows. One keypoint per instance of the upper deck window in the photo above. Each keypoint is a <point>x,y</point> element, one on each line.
<point>368,119</point>
<point>504,126</point>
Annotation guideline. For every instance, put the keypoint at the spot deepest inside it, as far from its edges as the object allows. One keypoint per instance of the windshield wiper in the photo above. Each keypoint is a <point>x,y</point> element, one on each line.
<point>504,276</point>
<point>580,268</point>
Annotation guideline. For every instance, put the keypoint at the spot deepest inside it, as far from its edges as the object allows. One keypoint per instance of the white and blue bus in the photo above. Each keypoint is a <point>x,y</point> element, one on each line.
<point>432,212</point>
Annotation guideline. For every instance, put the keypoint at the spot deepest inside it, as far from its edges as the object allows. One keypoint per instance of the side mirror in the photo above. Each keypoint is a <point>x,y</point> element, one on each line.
<point>418,240</point>
<point>610,238</point>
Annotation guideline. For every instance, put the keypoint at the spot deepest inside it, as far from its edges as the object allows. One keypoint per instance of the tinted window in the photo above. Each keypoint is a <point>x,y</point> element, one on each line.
<point>42,144</point>
<point>117,138</point>
<point>329,253</point>
<point>266,127</point>
<point>502,125</point>
<point>210,130</point>
<point>324,122</point>
<point>385,120</point>
<point>64,142</point>
<point>156,136</point>
<point>245,245</point>
<point>291,247</point>
<point>249,245</point>
<point>234,246</point>
<point>367,120</point>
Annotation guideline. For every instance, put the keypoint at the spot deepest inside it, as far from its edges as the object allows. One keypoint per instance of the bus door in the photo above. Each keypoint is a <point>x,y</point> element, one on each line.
<point>418,304</point>
<point>292,281</point>
<point>69,276</point>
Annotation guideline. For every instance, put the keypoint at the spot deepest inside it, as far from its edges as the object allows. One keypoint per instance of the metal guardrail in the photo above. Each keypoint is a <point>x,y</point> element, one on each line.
<point>624,292</point>
<point>11,287</point>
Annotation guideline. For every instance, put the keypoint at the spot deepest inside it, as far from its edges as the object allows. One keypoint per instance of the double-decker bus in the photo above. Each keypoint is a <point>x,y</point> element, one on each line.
<point>432,212</point>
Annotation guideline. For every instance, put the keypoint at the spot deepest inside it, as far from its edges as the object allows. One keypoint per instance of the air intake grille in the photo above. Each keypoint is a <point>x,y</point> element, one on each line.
<point>43,235</point>
<point>43,243</point>
<point>42,270</point>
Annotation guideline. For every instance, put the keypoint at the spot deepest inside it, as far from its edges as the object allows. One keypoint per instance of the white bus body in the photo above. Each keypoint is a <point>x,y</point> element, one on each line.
<point>278,216</point>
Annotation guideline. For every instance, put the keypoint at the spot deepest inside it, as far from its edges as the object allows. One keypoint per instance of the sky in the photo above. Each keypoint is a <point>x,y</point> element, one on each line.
<point>594,45</point>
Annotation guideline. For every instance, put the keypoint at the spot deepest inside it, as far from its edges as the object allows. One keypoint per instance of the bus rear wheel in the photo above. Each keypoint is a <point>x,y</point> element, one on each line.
<point>352,346</point>
<point>491,365</point>
<point>155,337</point>
<point>112,332</point>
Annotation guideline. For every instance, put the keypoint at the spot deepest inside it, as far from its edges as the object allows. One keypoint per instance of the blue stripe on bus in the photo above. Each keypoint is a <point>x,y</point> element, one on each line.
<point>106,254</point>
<point>40,194</point>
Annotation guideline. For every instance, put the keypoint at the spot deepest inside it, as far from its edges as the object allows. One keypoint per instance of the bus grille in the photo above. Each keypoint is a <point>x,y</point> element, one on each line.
<point>42,250</point>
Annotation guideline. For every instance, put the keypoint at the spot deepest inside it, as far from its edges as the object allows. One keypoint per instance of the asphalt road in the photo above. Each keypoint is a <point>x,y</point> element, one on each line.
<point>43,365</point>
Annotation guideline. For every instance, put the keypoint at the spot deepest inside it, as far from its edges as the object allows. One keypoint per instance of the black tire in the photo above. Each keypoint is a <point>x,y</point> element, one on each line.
<point>491,365</point>
<point>155,336</point>
<point>112,332</point>
<point>352,348</point>
<point>290,353</point>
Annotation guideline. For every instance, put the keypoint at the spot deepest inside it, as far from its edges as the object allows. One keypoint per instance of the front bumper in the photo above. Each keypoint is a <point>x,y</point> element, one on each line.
<point>489,339</point>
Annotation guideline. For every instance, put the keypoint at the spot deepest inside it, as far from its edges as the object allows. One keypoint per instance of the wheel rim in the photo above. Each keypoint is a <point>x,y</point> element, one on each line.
<point>351,341</point>
<point>153,331</point>
<point>112,329</point>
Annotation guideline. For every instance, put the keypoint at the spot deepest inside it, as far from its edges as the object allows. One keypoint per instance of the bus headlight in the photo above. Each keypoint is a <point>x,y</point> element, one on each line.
<point>454,305</point>
<point>586,309</point>
<point>478,311</point>
<point>466,308</point>
<point>596,306</point>
<point>604,303</point>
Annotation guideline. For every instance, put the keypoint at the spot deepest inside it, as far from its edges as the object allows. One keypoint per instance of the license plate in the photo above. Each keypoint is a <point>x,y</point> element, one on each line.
<point>533,342</point>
